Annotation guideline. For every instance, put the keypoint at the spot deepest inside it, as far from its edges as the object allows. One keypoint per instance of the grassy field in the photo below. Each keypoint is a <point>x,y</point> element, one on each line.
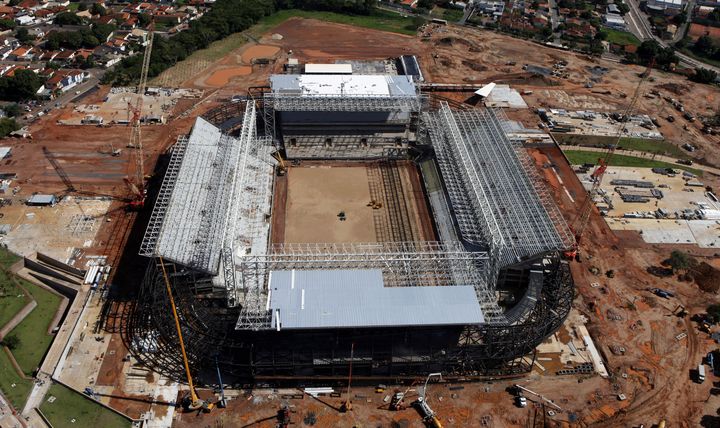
<point>578,157</point>
<point>18,393</point>
<point>379,20</point>
<point>661,147</point>
<point>653,146</point>
<point>12,298</point>
<point>32,331</point>
<point>71,409</point>
<point>622,38</point>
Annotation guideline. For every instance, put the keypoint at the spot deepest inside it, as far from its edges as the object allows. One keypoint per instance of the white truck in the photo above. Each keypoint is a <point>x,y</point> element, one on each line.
<point>701,373</point>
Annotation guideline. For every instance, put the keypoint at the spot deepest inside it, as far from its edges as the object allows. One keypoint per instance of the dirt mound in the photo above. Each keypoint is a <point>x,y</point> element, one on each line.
<point>707,277</point>
<point>675,88</point>
<point>474,65</point>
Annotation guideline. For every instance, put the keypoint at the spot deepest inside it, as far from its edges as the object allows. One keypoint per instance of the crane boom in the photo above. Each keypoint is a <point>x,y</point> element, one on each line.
<point>583,219</point>
<point>193,395</point>
<point>135,134</point>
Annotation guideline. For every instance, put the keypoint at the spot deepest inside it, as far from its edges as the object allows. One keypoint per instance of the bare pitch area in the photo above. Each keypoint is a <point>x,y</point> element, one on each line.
<point>315,198</point>
<point>373,202</point>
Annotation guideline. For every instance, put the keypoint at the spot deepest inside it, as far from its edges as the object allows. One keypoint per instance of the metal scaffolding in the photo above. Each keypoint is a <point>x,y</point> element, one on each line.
<point>498,209</point>
<point>147,247</point>
<point>494,199</point>
<point>403,264</point>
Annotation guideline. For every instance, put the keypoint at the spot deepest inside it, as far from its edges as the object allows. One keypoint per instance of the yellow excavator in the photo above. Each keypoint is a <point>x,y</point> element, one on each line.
<point>192,401</point>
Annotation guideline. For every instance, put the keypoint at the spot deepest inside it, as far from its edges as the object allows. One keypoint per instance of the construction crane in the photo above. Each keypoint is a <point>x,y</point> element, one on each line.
<point>194,402</point>
<point>65,178</point>
<point>581,222</point>
<point>137,187</point>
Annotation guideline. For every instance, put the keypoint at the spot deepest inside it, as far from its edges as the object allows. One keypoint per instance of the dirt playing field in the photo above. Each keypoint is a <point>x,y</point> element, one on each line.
<point>355,202</point>
<point>317,197</point>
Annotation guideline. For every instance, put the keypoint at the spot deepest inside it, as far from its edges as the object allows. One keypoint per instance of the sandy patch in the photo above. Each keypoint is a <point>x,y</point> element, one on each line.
<point>259,51</point>
<point>223,76</point>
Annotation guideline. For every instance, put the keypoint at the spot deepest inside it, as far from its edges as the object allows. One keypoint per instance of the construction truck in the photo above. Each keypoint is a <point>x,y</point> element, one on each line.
<point>427,413</point>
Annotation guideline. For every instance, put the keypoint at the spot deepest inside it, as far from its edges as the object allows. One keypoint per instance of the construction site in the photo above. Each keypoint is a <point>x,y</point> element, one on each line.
<point>357,233</point>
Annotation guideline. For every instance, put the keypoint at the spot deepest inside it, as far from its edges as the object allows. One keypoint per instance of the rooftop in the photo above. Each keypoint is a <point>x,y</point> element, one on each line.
<point>346,85</point>
<point>354,298</point>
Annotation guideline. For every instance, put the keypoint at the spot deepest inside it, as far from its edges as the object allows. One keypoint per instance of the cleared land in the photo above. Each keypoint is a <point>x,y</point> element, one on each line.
<point>33,330</point>
<point>70,409</point>
<point>199,61</point>
<point>578,157</point>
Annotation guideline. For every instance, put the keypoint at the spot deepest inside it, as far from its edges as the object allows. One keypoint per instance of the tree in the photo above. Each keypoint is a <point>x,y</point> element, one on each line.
<point>144,19</point>
<point>680,261</point>
<point>7,24</point>
<point>24,35</point>
<point>22,86</point>
<point>11,340</point>
<point>12,110</point>
<point>97,9</point>
<point>705,46</point>
<point>82,7</point>
<point>13,2</point>
<point>703,75</point>
<point>67,18</point>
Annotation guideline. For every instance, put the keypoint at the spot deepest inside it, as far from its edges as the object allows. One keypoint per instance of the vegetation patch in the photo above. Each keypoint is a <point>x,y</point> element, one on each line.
<point>13,387</point>
<point>660,147</point>
<point>376,20</point>
<point>622,38</point>
<point>33,330</point>
<point>65,408</point>
<point>578,157</point>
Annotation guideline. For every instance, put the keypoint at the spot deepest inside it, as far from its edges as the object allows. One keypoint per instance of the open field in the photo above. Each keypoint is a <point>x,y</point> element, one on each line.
<point>15,388</point>
<point>71,409</point>
<point>378,20</point>
<point>622,38</point>
<point>198,61</point>
<point>33,330</point>
<point>638,144</point>
<point>578,157</point>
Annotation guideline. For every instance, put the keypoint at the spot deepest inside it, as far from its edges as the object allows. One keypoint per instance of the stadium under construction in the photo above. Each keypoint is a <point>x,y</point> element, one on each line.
<point>471,295</point>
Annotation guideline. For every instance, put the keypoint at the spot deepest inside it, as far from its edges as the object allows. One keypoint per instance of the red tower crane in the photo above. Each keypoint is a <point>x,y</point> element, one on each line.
<point>137,184</point>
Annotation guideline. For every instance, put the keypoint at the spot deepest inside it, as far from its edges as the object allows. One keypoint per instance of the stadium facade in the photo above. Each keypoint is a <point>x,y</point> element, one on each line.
<point>474,302</point>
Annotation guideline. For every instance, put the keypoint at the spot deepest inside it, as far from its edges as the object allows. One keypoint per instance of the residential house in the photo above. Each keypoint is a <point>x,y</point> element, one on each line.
<point>23,53</point>
<point>24,20</point>
<point>65,56</point>
<point>49,55</point>
<point>64,80</point>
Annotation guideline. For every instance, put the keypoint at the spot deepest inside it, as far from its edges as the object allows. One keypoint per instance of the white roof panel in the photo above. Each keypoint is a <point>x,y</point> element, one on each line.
<point>345,85</point>
<point>328,68</point>
<point>358,298</point>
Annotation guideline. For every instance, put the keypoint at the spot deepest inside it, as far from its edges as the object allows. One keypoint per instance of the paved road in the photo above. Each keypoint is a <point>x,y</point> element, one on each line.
<point>633,153</point>
<point>638,25</point>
